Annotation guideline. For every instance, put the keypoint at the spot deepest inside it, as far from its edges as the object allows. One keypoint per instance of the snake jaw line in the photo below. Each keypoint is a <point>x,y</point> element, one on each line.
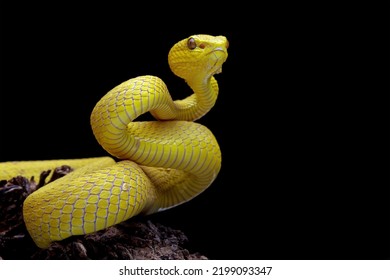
<point>163,163</point>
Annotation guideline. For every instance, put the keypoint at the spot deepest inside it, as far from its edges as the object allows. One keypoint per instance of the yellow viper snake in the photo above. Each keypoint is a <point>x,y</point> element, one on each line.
<point>160,163</point>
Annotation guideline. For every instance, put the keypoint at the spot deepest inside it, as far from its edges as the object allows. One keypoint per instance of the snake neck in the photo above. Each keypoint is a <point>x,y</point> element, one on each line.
<point>195,106</point>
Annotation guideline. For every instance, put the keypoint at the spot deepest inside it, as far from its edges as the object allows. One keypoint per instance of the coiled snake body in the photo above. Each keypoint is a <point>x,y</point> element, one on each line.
<point>162,163</point>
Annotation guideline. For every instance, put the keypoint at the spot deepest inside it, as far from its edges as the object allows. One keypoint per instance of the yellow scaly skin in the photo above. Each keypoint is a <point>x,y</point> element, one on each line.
<point>163,163</point>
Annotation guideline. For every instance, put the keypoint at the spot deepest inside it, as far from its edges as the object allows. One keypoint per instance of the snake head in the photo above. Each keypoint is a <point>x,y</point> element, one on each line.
<point>198,56</point>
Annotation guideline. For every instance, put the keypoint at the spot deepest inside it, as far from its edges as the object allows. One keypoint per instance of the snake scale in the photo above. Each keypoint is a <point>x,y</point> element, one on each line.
<point>160,163</point>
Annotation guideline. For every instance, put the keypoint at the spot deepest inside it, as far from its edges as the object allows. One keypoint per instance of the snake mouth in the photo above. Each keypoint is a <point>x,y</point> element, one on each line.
<point>219,49</point>
<point>220,55</point>
<point>219,70</point>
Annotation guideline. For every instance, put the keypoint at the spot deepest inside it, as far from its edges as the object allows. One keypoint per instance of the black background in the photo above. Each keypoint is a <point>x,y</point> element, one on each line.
<point>302,128</point>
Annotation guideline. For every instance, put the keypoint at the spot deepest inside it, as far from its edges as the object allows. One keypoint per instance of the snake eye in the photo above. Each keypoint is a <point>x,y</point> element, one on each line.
<point>227,44</point>
<point>191,44</point>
